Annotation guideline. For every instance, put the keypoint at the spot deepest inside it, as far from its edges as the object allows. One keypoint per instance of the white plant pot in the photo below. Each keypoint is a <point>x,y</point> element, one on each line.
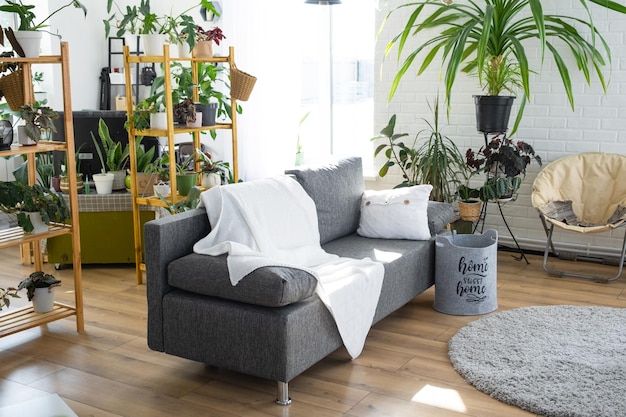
<point>197,122</point>
<point>158,120</point>
<point>43,300</point>
<point>119,180</point>
<point>103,182</point>
<point>211,180</point>
<point>153,44</point>
<point>23,138</point>
<point>38,224</point>
<point>161,189</point>
<point>183,50</point>
<point>30,41</point>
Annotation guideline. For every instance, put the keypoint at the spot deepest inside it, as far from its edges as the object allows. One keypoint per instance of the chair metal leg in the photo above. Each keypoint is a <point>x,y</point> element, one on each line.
<point>283,394</point>
<point>596,278</point>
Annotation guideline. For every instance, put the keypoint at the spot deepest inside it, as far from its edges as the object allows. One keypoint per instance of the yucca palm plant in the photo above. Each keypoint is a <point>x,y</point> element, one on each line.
<point>487,36</point>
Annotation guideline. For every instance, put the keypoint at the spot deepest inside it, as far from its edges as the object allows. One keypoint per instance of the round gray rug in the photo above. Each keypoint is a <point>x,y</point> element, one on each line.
<point>555,361</point>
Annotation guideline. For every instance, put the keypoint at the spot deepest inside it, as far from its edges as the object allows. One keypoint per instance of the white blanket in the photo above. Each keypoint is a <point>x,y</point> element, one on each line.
<point>273,222</point>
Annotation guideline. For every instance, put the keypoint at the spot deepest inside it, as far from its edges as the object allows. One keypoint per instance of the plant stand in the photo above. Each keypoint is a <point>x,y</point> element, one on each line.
<point>483,214</point>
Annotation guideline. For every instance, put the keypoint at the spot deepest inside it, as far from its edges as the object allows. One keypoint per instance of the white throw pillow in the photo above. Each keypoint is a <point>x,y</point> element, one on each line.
<point>401,213</point>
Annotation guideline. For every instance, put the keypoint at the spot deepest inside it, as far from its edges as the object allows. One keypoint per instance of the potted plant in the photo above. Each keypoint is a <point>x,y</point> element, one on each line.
<point>34,206</point>
<point>28,33</point>
<point>213,172</point>
<point>432,158</point>
<point>488,38</point>
<point>469,202</point>
<point>115,161</point>
<point>11,83</point>
<point>185,178</point>
<point>504,163</point>
<point>38,123</point>
<point>160,167</point>
<point>190,202</point>
<point>145,180</point>
<point>185,112</point>
<point>181,29</point>
<point>39,288</point>
<point>204,41</point>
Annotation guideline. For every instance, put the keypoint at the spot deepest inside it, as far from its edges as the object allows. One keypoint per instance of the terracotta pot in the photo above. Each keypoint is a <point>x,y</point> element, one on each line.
<point>203,49</point>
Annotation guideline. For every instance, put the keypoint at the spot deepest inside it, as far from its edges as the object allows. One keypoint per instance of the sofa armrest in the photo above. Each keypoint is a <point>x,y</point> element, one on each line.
<point>439,215</point>
<point>166,239</point>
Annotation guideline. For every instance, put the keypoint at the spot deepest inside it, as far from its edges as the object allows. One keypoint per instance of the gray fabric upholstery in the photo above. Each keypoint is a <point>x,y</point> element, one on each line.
<point>336,190</point>
<point>439,215</point>
<point>409,266</point>
<point>276,343</point>
<point>268,286</point>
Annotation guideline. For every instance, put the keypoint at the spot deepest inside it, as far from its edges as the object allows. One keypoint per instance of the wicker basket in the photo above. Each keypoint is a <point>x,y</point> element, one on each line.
<point>241,84</point>
<point>12,88</point>
<point>470,211</point>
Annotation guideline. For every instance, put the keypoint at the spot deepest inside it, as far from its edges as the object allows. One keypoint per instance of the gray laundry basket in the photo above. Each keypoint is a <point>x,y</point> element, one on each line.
<point>466,273</point>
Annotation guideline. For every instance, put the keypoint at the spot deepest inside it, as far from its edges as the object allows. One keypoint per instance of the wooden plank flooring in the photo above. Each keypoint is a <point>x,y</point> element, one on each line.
<point>108,370</point>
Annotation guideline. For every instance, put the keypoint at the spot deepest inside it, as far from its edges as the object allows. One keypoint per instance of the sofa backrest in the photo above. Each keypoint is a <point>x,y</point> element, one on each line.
<point>336,188</point>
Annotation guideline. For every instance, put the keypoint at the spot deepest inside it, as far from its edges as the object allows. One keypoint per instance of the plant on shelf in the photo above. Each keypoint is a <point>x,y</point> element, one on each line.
<point>489,38</point>
<point>38,121</point>
<point>182,28</point>
<point>140,115</point>
<point>113,164</point>
<point>37,279</point>
<point>432,158</point>
<point>185,110</point>
<point>190,202</point>
<point>136,20</point>
<point>145,180</point>
<point>27,16</point>
<point>186,177</point>
<point>504,162</point>
<point>6,295</point>
<point>44,165</point>
<point>204,41</point>
<point>213,172</point>
<point>23,200</point>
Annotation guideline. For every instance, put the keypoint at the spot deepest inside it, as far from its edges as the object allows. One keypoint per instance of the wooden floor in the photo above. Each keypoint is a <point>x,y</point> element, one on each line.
<point>404,370</point>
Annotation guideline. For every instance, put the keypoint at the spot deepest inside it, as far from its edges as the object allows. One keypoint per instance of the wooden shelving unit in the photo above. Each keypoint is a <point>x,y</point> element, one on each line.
<point>169,133</point>
<point>13,321</point>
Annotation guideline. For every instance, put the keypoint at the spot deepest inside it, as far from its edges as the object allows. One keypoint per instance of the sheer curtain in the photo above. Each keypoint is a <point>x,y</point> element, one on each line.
<point>267,45</point>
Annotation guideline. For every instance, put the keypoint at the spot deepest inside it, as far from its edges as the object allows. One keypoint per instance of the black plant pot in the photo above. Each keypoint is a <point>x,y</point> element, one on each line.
<point>209,112</point>
<point>492,113</point>
<point>6,135</point>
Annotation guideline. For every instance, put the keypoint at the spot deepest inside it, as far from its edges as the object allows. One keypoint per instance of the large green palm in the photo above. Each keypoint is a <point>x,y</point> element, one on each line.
<point>470,34</point>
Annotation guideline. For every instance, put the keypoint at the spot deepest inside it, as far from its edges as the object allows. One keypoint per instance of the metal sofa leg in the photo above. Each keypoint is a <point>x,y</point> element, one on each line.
<point>283,394</point>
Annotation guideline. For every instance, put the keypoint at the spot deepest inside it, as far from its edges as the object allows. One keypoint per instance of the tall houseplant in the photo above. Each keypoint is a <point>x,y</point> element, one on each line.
<point>432,158</point>
<point>488,38</point>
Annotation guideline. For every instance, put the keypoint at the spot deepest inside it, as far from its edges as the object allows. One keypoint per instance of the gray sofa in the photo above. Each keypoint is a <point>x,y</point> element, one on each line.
<point>272,325</point>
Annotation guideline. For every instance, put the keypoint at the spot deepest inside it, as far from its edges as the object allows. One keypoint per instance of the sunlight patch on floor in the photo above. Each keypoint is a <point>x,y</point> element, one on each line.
<point>441,398</point>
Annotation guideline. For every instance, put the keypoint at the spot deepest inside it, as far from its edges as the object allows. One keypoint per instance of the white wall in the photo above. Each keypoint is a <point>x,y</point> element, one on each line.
<point>549,124</point>
<point>266,138</point>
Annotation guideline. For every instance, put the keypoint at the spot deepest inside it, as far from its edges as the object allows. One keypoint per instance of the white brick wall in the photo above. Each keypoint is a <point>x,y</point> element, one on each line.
<point>549,124</point>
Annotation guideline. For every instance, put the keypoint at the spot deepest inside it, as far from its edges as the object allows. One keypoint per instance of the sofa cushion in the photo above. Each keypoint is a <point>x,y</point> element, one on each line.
<point>336,189</point>
<point>267,286</point>
<point>400,213</point>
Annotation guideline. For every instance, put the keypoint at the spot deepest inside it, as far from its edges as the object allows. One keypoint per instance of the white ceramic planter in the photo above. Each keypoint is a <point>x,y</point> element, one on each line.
<point>43,300</point>
<point>161,189</point>
<point>38,225</point>
<point>30,41</point>
<point>158,120</point>
<point>153,44</point>
<point>197,122</point>
<point>103,182</point>
<point>211,179</point>
<point>23,138</point>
